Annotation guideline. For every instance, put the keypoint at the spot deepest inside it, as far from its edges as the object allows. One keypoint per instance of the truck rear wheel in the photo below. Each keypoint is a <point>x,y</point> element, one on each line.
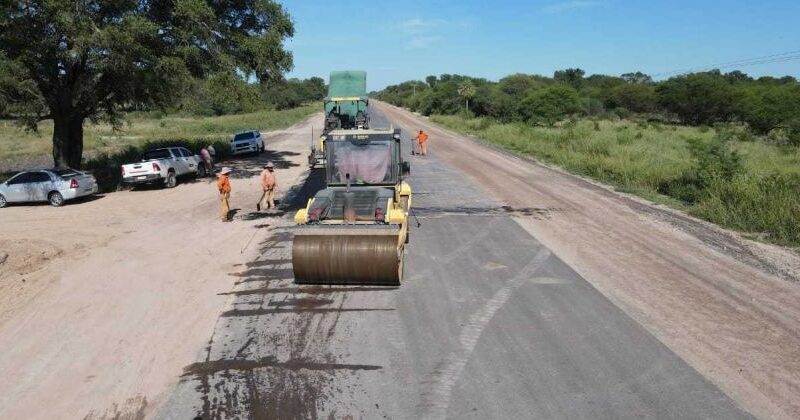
<point>172,181</point>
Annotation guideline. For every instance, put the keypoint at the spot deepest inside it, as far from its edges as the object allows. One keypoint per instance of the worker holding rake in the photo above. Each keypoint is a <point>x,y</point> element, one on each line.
<point>268,186</point>
<point>224,188</point>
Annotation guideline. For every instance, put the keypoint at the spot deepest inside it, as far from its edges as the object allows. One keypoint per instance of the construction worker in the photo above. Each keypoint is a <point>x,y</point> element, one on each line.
<point>213,152</point>
<point>422,139</point>
<point>268,186</point>
<point>224,187</point>
<point>206,157</point>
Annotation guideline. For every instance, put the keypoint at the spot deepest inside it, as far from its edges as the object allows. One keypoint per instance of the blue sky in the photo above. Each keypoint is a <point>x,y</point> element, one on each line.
<point>396,41</point>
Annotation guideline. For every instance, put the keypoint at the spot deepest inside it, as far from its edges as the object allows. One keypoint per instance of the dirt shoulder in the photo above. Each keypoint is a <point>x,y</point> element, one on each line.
<point>721,303</point>
<point>104,302</point>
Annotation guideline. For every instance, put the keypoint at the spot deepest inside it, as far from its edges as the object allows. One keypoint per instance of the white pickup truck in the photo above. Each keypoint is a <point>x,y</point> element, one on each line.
<point>163,166</point>
<point>249,141</point>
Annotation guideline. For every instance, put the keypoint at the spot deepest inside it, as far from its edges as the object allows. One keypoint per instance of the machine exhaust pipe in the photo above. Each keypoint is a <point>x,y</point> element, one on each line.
<point>349,212</point>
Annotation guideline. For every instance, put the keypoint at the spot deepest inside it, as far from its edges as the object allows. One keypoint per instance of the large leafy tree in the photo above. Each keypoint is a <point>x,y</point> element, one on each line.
<point>699,98</point>
<point>549,105</point>
<point>77,60</point>
<point>636,97</point>
<point>572,77</point>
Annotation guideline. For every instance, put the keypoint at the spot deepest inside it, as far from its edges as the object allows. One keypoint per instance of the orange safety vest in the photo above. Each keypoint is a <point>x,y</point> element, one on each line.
<point>268,180</point>
<point>223,184</point>
<point>422,137</point>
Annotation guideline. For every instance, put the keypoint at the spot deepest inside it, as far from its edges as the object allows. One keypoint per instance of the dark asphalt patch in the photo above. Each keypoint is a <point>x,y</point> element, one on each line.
<point>264,311</point>
<point>216,366</point>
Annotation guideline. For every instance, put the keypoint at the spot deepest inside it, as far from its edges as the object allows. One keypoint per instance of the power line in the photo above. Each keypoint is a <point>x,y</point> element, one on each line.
<point>767,59</point>
<point>735,63</point>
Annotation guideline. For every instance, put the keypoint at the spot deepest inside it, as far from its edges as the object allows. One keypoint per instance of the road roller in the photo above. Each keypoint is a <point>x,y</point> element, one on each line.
<point>355,230</point>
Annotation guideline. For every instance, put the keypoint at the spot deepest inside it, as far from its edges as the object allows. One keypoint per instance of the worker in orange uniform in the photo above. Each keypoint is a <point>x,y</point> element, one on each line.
<point>224,187</point>
<point>422,139</point>
<point>268,186</point>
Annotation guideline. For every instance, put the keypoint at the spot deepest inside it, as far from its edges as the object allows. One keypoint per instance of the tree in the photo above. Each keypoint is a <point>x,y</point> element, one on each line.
<point>599,86</point>
<point>634,97</point>
<point>284,94</point>
<point>737,76</point>
<point>225,93</point>
<point>699,98</point>
<point>767,107</point>
<point>572,77</point>
<point>637,77</point>
<point>466,90</point>
<point>549,105</point>
<point>92,59</point>
<point>519,85</point>
<point>430,80</point>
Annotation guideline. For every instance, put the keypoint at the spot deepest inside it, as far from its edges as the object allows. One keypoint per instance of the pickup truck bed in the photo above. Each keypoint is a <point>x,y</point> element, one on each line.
<point>162,166</point>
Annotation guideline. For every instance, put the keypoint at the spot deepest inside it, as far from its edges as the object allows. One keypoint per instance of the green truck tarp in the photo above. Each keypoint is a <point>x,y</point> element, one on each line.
<point>348,85</point>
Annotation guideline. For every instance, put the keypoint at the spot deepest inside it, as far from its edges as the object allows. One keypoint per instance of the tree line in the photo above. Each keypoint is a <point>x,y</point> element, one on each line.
<point>765,105</point>
<point>228,93</point>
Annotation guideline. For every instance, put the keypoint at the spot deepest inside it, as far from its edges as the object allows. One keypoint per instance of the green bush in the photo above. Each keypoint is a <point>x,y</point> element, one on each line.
<point>549,105</point>
<point>622,113</point>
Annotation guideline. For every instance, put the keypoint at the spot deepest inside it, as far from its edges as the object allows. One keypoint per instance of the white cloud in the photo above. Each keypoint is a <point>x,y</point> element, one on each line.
<point>421,33</point>
<point>566,6</point>
<point>418,26</point>
<point>422,42</point>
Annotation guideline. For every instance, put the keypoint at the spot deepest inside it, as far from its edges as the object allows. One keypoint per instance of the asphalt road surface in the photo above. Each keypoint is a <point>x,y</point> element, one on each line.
<point>489,323</point>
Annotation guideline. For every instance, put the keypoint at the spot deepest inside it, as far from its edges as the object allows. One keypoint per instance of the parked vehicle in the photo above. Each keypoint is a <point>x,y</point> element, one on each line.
<point>249,141</point>
<point>163,166</point>
<point>54,185</point>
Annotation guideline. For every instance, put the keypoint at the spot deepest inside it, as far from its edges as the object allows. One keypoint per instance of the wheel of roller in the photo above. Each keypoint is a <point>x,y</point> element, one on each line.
<point>339,256</point>
<point>400,265</point>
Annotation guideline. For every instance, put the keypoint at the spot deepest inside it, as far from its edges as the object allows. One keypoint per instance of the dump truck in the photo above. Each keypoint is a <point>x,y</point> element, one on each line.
<point>346,107</point>
<point>354,231</point>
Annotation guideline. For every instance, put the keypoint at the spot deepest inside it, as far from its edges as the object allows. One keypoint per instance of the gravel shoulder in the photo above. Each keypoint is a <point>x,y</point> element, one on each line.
<point>719,302</point>
<point>102,303</point>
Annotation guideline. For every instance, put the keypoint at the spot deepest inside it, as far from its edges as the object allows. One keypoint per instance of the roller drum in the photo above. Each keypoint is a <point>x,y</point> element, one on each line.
<point>341,256</point>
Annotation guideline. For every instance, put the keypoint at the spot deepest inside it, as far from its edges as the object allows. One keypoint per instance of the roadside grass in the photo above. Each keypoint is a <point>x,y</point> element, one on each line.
<point>749,186</point>
<point>140,128</point>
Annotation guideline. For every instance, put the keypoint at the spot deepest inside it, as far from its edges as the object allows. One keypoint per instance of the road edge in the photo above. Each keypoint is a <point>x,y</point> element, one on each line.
<point>725,241</point>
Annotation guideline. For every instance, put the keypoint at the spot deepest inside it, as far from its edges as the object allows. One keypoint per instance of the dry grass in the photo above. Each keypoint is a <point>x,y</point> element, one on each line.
<point>758,194</point>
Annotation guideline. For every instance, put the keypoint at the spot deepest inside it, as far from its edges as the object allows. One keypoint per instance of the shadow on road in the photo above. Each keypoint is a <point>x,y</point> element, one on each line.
<point>252,165</point>
<point>298,196</point>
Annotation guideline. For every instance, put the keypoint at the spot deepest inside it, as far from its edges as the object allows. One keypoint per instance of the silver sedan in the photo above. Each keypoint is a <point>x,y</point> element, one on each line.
<point>53,185</point>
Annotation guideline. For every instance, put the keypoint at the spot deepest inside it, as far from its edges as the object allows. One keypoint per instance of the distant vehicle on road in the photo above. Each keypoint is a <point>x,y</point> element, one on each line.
<point>54,185</point>
<point>249,141</point>
<point>163,166</point>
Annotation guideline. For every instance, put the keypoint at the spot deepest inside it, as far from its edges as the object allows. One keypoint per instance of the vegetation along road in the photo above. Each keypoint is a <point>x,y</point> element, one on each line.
<point>581,246</point>
<point>566,296</point>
